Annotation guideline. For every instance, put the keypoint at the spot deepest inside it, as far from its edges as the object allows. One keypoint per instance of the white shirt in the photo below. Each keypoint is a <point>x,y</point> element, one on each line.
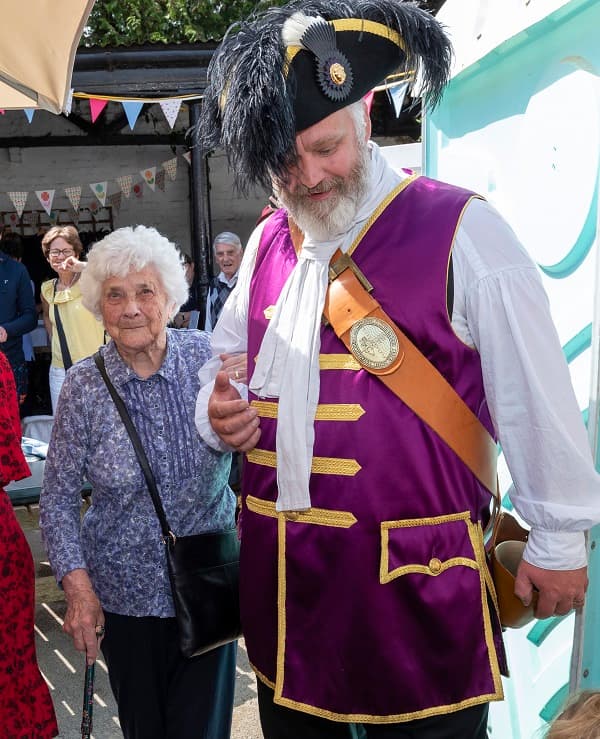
<point>501,309</point>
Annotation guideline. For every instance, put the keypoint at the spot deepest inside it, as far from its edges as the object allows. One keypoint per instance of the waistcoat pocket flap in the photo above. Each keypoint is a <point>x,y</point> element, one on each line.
<point>427,546</point>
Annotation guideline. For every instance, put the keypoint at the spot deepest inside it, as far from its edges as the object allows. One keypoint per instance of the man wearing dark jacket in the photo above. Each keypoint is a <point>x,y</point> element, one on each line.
<point>17,311</point>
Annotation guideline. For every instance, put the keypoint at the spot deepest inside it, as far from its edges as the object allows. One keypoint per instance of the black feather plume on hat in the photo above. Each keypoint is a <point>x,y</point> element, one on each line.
<point>254,95</point>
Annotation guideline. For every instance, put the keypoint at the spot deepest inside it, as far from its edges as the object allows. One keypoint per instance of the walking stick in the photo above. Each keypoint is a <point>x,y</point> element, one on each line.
<point>88,694</point>
<point>88,701</point>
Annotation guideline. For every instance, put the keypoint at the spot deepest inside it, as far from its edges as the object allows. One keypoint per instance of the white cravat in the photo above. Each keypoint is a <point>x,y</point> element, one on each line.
<point>288,361</point>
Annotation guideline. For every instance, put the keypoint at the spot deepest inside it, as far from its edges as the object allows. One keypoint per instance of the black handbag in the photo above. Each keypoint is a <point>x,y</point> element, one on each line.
<point>203,568</point>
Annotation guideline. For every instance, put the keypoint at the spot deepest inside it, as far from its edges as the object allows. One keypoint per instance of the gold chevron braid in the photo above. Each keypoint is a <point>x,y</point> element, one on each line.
<point>325,411</point>
<point>320,465</point>
<point>338,362</point>
<point>319,516</point>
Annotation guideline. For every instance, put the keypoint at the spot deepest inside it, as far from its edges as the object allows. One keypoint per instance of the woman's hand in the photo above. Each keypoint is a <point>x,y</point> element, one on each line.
<point>236,366</point>
<point>72,264</point>
<point>84,620</point>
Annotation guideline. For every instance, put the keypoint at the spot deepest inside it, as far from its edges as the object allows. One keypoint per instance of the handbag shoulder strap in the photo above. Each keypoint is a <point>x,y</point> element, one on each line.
<point>139,449</point>
<point>64,347</point>
<point>409,374</point>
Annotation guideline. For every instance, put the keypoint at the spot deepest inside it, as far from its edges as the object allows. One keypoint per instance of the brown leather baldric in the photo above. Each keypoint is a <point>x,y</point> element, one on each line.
<point>411,376</point>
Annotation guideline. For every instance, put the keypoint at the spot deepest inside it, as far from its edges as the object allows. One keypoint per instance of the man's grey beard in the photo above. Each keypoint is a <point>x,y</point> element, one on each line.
<point>326,219</point>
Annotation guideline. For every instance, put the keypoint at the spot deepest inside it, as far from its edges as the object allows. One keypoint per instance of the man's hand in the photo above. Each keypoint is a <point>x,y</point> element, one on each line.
<point>559,590</point>
<point>233,419</point>
<point>236,366</point>
<point>3,335</point>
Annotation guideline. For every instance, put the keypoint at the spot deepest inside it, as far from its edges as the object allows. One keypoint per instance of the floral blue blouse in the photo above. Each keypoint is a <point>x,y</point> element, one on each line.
<point>119,539</point>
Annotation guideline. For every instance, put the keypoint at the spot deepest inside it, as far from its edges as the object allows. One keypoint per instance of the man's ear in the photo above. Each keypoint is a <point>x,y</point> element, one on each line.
<point>367,121</point>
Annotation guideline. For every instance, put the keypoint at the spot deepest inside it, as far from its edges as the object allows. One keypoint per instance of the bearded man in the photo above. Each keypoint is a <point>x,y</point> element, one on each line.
<point>366,600</point>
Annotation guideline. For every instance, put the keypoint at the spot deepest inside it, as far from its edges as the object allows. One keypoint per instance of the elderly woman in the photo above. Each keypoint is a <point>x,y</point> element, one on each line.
<point>112,565</point>
<point>64,313</point>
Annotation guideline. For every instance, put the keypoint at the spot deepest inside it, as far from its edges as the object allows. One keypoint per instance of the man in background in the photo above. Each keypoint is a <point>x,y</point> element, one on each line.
<point>17,309</point>
<point>227,249</point>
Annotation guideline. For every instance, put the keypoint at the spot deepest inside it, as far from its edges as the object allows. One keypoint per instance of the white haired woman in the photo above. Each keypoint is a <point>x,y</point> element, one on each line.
<point>112,564</point>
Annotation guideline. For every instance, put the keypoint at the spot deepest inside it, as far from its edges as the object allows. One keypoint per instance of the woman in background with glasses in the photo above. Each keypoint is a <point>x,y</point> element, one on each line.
<point>73,330</point>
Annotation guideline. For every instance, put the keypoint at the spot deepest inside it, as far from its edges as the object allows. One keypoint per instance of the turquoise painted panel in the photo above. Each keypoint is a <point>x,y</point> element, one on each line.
<point>522,127</point>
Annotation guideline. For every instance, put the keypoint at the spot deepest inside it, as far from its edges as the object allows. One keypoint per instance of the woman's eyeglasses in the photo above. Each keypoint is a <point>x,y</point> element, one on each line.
<point>61,253</point>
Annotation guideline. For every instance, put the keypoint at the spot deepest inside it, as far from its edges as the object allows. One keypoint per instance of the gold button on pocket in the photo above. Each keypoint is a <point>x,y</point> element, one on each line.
<point>435,566</point>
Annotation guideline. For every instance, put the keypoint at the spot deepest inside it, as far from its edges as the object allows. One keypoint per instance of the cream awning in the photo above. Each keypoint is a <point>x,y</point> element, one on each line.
<point>37,51</point>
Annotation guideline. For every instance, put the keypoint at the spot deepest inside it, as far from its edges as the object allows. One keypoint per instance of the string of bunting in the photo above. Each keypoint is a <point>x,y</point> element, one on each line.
<point>154,177</point>
<point>395,86</point>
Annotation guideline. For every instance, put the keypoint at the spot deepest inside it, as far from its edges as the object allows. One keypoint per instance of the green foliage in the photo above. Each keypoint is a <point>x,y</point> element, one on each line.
<point>132,22</point>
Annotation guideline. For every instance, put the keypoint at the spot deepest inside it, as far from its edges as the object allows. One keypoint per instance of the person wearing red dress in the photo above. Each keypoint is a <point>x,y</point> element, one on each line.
<point>26,710</point>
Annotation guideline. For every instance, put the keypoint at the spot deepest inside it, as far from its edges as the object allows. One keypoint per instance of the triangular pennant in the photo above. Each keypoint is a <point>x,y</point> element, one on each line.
<point>149,176</point>
<point>132,110</point>
<point>397,94</point>
<point>368,98</point>
<point>114,200</point>
<point>99,190</point>
<point>74,195</point>
<point>125,183</point>
<point>170,167</point>
<point>45,197</point>
<point>29,113</point>
<point>96,107</point>
<point>138,190</point>
<point>18,200</point>
<point>188,157</point>
<point>160,179</point>
<point>93,206</point>
<point>170,108</point>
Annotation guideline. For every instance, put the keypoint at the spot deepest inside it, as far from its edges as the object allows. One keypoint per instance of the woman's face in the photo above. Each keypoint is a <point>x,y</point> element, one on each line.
<point>58,251</point>
<point>135,310</point>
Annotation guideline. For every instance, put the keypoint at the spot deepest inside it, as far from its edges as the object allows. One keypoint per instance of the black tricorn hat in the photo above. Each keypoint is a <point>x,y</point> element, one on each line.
<point>287,68</point>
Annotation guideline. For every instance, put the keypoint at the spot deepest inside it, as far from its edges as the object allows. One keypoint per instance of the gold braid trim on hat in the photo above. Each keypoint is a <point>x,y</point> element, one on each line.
<point>350,24</point>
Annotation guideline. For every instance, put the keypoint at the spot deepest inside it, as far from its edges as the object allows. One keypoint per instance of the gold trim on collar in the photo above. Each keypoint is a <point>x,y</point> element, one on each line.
<point>320,465</point>
<point>319,516</point>
<point>380,208</point>
<point>325,411</point>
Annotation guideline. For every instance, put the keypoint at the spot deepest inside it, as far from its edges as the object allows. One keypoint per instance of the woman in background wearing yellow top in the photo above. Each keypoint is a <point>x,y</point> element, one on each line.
<point>83,334</point>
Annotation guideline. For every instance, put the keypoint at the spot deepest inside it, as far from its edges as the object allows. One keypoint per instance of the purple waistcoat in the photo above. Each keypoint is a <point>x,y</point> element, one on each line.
<point>374,606</point>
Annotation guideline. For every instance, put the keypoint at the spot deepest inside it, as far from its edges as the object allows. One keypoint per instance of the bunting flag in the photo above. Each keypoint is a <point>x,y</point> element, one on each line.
<point>18,200</point>
<point>99,190</point>
<point>115,199</point>
<point>368,98</point>
<point>138,190</point>
<point>149,176</point>
<point>188,157</point>
<point>74,195</point>
<point>96,107</point>
<point>125,182</point>
<point>160,179</point>
<point>132,110</point>
<point>45,197</point>
<point>397,94</point>
<point>170,108</point>
<point>29,113</point>
<point>170,167</point>
<point>53,217</point>
<point>93,206</point>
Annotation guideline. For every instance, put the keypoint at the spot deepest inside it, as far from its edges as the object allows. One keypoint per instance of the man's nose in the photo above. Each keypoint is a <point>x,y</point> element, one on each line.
<point>309,172</point>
